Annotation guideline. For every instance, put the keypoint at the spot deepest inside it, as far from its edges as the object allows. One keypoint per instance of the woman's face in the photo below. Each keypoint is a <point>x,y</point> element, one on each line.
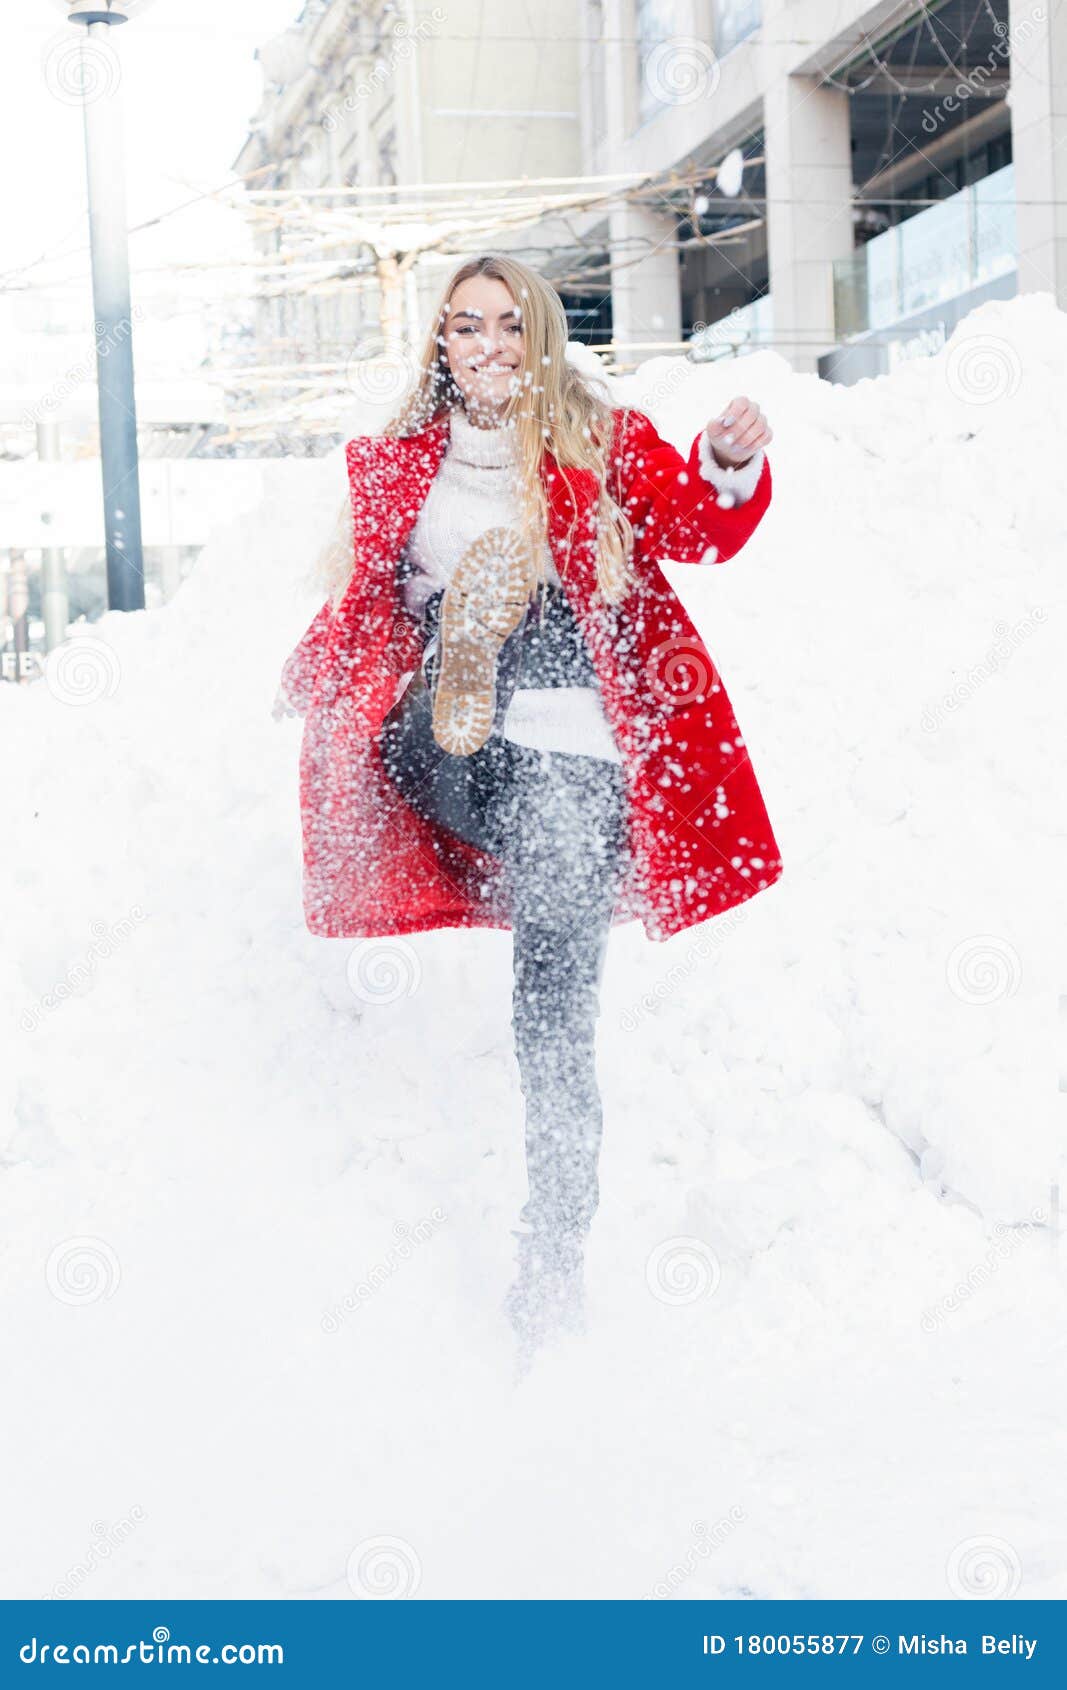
<point>483,336</point>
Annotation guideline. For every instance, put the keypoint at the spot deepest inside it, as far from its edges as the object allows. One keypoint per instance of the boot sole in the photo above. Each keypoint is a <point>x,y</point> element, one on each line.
<point>483,604</point>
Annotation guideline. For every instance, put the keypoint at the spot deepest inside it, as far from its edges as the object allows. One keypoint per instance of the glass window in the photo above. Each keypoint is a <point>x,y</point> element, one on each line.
<point>882,261</point>
<point>735,20</point>
<point>657,22</point>
<point>934,256</point>
<point>995,239</point>
<point>387,159</point>
<point>598,117</point>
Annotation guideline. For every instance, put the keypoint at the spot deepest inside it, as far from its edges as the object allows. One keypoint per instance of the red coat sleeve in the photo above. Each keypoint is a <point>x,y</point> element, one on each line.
<point>673,507</point>
<point>302,664</point>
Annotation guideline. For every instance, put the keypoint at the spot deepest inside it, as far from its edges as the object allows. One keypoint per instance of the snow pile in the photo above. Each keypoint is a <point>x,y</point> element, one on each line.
<point>256,1187</point>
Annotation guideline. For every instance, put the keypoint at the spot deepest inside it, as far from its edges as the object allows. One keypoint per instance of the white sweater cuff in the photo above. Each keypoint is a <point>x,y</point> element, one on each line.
<point>740,481</point>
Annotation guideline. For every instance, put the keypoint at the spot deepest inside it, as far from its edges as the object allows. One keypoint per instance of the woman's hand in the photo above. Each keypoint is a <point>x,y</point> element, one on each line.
<point>738,433</point>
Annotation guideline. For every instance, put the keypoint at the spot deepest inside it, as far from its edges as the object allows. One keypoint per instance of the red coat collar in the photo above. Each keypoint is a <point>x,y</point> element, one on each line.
<point>570,493</point>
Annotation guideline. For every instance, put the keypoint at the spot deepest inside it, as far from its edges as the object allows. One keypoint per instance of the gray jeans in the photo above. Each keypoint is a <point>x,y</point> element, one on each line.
<point>557,823</point>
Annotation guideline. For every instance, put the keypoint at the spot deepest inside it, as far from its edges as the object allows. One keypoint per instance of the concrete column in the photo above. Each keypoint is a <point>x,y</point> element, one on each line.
<point>406,83</point>
<point>18,604</point>
<point>809,210</point>
<point>170,571</point>
<point>1038,38</point>
<point>55,600</point>
<point>646,298</point>
<point>390,299</point>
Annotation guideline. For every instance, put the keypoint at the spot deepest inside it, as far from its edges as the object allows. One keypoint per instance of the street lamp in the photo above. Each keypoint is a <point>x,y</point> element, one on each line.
<point>112,326</point>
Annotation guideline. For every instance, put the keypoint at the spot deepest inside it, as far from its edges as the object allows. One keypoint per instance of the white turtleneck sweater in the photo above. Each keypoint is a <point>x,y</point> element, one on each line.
<point>475,488</point>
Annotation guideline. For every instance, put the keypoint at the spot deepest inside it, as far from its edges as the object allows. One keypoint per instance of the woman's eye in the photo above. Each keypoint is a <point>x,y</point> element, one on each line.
<point>467,329</point>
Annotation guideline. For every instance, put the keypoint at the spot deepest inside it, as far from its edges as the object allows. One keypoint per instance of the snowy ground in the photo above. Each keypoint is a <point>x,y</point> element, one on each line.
<point>256,1187</point>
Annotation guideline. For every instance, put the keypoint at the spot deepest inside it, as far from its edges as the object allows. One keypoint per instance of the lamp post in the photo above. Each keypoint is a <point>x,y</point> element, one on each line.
<point>112,326</point>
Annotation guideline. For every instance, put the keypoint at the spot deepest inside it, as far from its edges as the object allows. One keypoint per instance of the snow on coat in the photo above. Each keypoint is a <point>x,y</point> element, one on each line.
<point>700,838</point>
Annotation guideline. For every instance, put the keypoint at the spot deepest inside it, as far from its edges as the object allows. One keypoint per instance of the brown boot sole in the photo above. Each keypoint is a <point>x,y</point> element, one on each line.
<point>484,602</point>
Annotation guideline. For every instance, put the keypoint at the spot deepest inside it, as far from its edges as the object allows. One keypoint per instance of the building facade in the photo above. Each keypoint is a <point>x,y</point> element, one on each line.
<point>841,180</point>
<point>394,102</point>
<point>836,179</point>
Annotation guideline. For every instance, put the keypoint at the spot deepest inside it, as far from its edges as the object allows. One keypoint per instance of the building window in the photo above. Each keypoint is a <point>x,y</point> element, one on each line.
<point>735,20</point>
<point>387,159</point>
<point>657,23</point>
<point>598,115</point>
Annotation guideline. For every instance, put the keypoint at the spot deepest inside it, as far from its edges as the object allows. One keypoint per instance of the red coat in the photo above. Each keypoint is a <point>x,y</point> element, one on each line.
<point>700,837</point>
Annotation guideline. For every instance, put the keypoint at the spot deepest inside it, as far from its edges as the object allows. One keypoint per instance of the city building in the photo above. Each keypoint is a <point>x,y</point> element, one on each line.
<point>843,181</point>
<point>381,99</point>
<point>840,180</point>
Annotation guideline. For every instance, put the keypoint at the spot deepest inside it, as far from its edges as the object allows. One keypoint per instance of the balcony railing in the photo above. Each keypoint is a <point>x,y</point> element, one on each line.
<point>936,255</point>
<point>744,330</point>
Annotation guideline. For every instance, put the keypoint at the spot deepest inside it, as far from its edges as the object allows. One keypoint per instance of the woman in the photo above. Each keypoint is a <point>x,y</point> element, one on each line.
<point>511,720</point>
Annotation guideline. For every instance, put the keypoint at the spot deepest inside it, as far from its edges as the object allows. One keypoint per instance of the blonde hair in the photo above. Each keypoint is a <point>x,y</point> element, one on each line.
<point>554,409</point>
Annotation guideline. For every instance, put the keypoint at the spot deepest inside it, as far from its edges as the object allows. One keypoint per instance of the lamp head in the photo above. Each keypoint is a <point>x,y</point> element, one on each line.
<point>103,11</point>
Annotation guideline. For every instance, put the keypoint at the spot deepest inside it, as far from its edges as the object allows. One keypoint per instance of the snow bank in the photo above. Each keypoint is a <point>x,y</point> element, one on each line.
<point>256,1187</point>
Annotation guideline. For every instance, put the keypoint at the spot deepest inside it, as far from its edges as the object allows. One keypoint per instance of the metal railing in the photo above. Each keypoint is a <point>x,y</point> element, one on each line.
<point>935,256</point>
